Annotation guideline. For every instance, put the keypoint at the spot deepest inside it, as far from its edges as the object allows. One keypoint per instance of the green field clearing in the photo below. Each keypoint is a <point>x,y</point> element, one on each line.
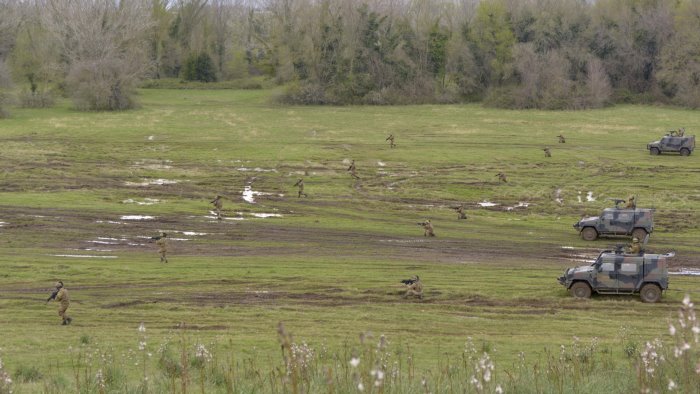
<point>329,265</point>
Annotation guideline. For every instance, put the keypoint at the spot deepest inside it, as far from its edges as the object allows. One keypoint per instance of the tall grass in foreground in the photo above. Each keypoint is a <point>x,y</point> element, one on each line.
<point>372,365</point>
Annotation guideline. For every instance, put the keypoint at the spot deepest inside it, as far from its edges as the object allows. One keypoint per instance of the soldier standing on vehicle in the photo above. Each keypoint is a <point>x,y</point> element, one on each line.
<point>502,177</point>
<point>562,140</point>
<point>300,184</point>
<point>218,204</point>
<point>390,138</point>
<point>162,246</point>
<point>61,296</point>
<point>681,132</point>
<point>414,287</point>
<point>352,170</point>
<point>427,228</point>
<point>634,247</point>
<point>460,212</point>
<point>631,203</point>
<point>547,153</point>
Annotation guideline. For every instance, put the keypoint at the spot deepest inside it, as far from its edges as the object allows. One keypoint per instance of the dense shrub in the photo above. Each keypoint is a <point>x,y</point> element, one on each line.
<point>199,67</point>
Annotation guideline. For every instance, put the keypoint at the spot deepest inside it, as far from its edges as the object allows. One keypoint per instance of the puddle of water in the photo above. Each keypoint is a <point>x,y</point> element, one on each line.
<point>256,169</point>
<point>96,250</point>
<point>179,239</point>
<point>193,233</point>
<point>137,217</point>
<point>487,204</point>
<point>2,223</point>
<point>519,205</point>
<point>249,194</point>
<point>381,163</point>
<point>686,272</point>
<point>347,161</point>
<point>146,201</point>
<point>589,197</point>
<point>109,221</point>
<point>150,137</point>
<point>557,197</point>
<point>567,247</point>
<point>402,241</point>
<point>104,242</point>
<point>84,256</point>
<point>149,182</point>
<point>267,215</point>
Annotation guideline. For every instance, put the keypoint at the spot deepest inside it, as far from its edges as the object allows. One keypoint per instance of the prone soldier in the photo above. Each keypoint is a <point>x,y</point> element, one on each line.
<point>352,169</point>
<point>218,204</point>
<point>300,184</point>
<point>162,246</point>
<point>61,296</point>
<point>547,152</point>
<point>427,228</point>
<point>390,138</point>
<point>414,287</point>
<point>562,140</point>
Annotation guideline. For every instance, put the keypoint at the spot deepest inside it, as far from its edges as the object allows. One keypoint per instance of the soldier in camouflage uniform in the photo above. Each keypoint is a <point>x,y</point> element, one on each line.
<point>300,184</point>
<point>681,132</point>
<point>352,170</point>
<point>428,228</point>
<point>547,152</point>
<point>562,140</point>
<point>502,177</point>
<point>631,203</point>
<point>61,296</point>
<point>162,247</point>
<point>390,138</point>
<point>634,247</point>
<point>218,204</point>
<point>460,212</point>
<point>414,287</point>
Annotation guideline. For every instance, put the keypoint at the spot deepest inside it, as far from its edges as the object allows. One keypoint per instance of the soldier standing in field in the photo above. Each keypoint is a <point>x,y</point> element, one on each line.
<point>631,203</point>
<point>427,228</point>
<point>353,170</point>
<point>61,296</point>
<point>547,152</point>
<point>390,138</point>
<point>414,287</point>
<point>218,204</point>
<point>502,177</point>
<point>162,246</point>
<point>300,184</point>
<point>460,212</point>
<point>562,140</point>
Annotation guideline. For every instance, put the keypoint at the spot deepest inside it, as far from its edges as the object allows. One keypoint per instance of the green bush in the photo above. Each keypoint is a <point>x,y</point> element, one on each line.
<point>199,67</point>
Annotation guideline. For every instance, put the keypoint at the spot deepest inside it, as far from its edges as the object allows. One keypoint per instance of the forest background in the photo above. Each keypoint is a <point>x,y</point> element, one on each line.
<point>547,54</point>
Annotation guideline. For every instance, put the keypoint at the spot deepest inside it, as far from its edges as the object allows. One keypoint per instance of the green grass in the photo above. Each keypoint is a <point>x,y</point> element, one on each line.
<point>330,266</point>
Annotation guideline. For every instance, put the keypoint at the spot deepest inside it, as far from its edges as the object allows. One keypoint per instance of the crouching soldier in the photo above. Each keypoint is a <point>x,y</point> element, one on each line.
<point>547,152</point>
<point>61,296</point>
<point>414,287</point>
<point>427,228</point>
<point>460,212</point>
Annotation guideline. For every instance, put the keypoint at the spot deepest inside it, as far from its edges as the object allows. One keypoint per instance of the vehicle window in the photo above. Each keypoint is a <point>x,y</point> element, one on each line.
<point>665,140</point>
<point>624,217</point>
<point>608,216</point>
<point>628,268</point>
<point>607,267</point>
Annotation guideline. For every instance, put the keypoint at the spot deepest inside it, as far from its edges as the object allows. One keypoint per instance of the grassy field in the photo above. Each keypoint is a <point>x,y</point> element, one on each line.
<point>328,265</point>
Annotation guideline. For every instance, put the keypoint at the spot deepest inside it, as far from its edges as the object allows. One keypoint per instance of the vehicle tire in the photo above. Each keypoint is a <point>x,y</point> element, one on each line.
<point>639,233</point>
<point>589,234</point>
<point>650,292</point>
<point>654,151</point>
<point>581,290</point>
<point>685,152</point>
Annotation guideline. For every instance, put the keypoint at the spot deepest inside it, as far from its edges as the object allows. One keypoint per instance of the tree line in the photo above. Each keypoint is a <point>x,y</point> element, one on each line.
<point>547,54</point>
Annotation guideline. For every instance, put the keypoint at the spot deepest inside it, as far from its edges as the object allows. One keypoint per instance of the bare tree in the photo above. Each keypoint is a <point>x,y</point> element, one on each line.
<point>9,24</point>
<point>103,43</point>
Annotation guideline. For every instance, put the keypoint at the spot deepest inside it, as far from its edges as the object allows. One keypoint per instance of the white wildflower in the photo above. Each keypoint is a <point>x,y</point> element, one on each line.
<point>355,362</point>
<point>142,327</point>
<point>686,300</point>
<point>671,385</point>
<point>672,329</point>
<point>361,386</point>
<point>499,390</point>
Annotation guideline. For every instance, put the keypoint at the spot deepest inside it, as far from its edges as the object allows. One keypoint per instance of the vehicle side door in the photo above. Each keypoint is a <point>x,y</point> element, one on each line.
<point>606,276</point>
<point>618,221</point>
<point>628,271</point>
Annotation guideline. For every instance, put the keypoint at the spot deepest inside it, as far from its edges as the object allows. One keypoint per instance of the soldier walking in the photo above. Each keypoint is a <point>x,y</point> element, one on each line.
<point>218,204</point>
<point>502,177</point>
<point>390,138</point>
<point>562,140</point>
<point>414,287</point>
<point>61,296</point>
<point>460,212</point>
<point>162,246</point>
<point>427,228</point>
<point>353,170</point>
<point>547,152</point>
<point>300,184</point>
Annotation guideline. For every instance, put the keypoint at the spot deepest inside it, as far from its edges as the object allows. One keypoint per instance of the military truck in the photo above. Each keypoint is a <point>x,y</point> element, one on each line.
<point>670,143</point>
<point>637,222</point>
<point>615,272</point>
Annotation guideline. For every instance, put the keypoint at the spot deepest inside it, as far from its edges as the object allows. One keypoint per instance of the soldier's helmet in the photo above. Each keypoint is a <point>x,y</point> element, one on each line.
<point>635,239</point>
<point>59,284</point>
<point>164,234</point>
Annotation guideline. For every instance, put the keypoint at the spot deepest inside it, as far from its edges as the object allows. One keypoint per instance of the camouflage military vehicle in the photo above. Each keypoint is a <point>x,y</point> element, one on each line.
<point>669,143</point>
<point>637,222</point>
<point>614,272</point>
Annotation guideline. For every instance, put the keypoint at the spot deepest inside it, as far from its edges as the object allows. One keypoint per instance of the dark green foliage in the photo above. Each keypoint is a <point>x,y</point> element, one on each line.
<point>199,67</point>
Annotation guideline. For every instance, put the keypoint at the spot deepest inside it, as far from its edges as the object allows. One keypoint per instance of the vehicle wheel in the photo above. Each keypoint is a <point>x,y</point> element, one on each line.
<point>589,234</point>
<point>650,293</point>
<point>581,290</point>
<point>654,151</point>
<point>639,233</point>
<point>685,152</point>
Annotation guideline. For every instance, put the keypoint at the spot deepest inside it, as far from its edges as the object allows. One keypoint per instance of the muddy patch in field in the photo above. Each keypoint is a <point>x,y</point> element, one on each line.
<point>151,164</point>
<point>84,256</point>
<point>145,201</point>
<point>685,272</point>
<point>249,194</point>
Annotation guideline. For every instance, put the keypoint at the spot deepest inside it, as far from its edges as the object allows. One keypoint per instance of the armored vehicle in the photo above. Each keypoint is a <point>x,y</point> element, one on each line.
<point>637,222</point>
<point>615,272</point>
<point>669,143</point>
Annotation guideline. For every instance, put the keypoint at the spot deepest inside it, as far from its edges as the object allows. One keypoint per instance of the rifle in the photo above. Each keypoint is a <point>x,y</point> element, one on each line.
<point>52,296</point>
<point>617,201</point>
